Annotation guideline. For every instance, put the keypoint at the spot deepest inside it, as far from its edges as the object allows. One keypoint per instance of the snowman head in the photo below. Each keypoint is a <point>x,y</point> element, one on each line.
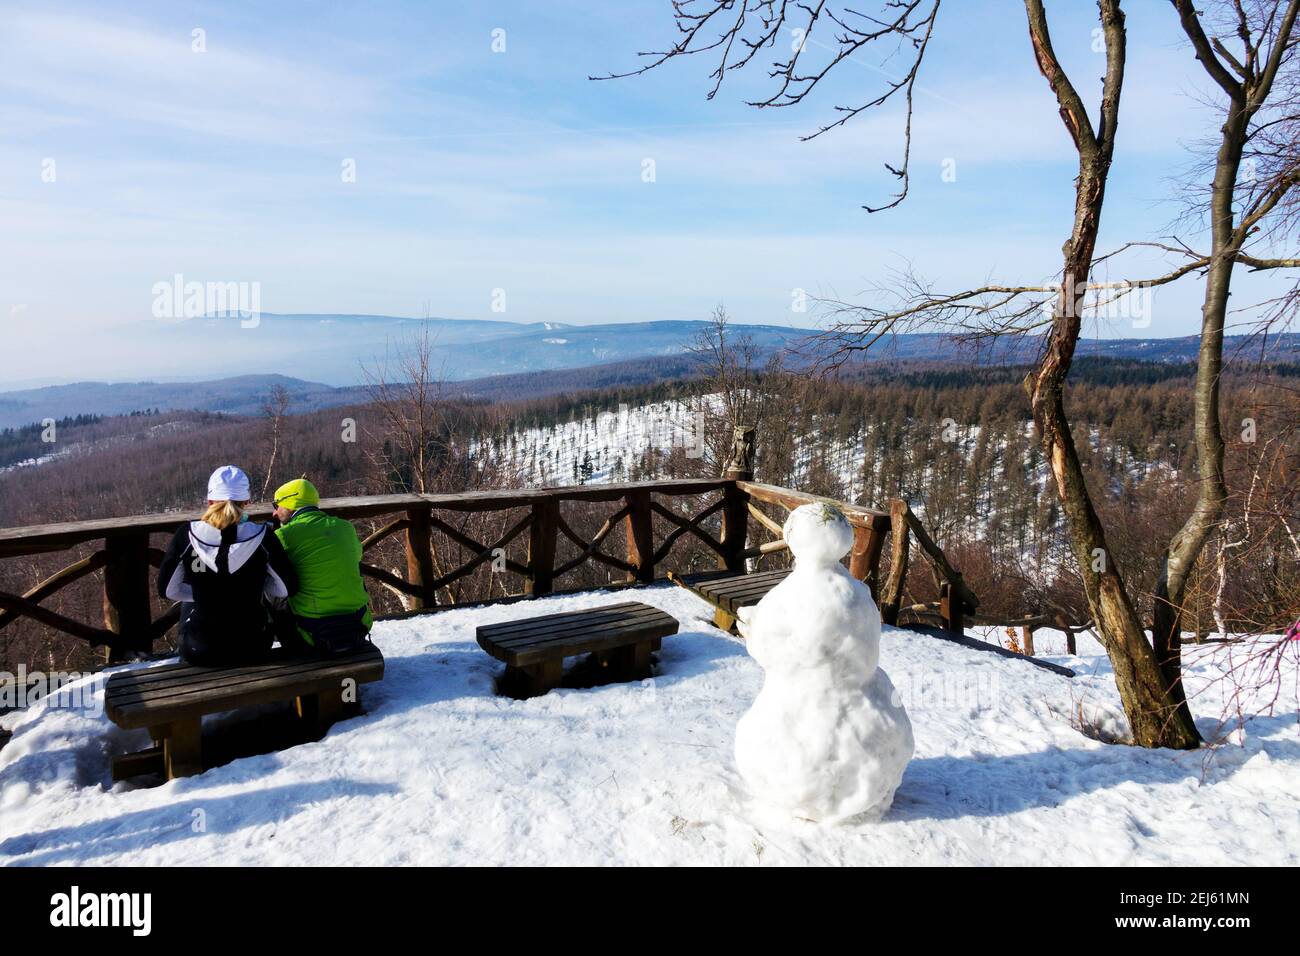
<point>818,533</point>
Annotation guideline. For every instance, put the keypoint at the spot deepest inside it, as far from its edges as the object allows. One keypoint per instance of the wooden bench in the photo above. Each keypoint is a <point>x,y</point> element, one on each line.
<point>620,637</point>
<point>728,591</point>
<point>171,700</point>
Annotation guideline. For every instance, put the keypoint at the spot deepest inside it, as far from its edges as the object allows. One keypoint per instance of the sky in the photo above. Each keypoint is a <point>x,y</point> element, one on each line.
<point>454,160</point>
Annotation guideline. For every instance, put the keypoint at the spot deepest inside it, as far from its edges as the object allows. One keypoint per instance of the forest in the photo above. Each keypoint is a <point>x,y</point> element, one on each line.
<point>956,444</point>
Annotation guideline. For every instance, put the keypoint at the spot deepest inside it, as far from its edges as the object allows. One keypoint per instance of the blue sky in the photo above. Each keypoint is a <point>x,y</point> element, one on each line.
<point>478,171</point>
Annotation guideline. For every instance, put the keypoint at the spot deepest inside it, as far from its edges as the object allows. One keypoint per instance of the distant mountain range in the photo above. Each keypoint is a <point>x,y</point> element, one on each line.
<point>214,364</point>
<point>339,349</point>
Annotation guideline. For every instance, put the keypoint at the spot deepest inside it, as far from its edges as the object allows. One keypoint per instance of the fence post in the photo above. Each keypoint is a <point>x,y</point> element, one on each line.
<point>892,596</point>
<point>640,536</point>
<point>127,611</point>
<point>735,510</point>
<point>864,559</point>
<point>951,607</point>
<point>541,546</point>
<point>419,557</point>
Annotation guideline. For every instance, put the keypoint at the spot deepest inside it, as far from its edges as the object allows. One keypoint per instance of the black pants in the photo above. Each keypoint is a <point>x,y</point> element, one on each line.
<point>221,642</point>
<point>337,634</point>
<point>285,626</point>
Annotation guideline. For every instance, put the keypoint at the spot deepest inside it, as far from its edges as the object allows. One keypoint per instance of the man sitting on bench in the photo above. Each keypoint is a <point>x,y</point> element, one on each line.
<point>330,609</point>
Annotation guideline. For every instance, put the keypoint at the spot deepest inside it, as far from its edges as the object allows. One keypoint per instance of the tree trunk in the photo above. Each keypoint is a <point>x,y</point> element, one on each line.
<point>1186,546</point>
<point>1154,716</point>
<point>1227,238</point>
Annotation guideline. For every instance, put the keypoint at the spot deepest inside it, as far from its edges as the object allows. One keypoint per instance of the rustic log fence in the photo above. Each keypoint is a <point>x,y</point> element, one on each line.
<point>718,515</point>
<point>956,600</point>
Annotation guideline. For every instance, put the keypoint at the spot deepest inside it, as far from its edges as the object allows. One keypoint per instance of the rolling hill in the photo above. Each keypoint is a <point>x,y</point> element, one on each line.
<point>323,360</point>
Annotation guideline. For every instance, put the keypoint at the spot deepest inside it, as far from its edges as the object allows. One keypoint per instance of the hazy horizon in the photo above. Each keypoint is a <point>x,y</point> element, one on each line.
<point>458,162</point>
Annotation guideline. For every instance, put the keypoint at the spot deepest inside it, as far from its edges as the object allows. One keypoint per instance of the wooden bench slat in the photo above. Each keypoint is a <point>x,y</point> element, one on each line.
<point>745,581</point>
<point>134,683</point>
<point>198,680</point>
<point>612,611</point>
<point>215,695</point>
<point>700,577</point>
<point>599,642</point>
<point>179,671</point>
<point>213,699</point>
<point>738,599</point>
<point>546,641</point>
<point>287,675</point>
<point>249,694</point>
<point>628,628</point>
<point>712,580</point>
<point>570,624</point>
<point>573,625</point>
<point>602,636</point>
<point>729,591</point>
<point>739,593</point>
<point>738,585</point>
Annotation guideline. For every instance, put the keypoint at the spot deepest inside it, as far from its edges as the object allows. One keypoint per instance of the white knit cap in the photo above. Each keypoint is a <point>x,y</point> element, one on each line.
<point>228,483</point>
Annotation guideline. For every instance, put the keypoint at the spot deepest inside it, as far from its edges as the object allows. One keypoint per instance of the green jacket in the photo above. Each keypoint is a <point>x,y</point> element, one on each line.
<point>326,553</point>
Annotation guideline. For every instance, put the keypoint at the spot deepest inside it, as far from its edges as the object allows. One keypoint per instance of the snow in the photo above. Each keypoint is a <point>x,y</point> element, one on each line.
<point>442,771</point>
<point>34,462</point>
<point>827,738</point>
<point>608,443</point>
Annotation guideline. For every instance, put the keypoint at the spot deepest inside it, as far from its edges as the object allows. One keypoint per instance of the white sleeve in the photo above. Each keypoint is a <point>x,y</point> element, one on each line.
<point>177,589</point>
<point>274,588</point>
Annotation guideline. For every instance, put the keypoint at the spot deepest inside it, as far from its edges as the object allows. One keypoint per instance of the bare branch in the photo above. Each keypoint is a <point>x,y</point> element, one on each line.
<point>744,27</point>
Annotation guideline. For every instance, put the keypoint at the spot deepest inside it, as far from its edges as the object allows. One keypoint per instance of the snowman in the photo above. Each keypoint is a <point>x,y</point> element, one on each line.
<point>827,738</point>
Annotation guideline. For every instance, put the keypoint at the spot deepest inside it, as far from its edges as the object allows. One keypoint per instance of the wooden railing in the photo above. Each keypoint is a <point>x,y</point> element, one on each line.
<point>716,513</point>
<point>956,600</point>
<point>533,522</point>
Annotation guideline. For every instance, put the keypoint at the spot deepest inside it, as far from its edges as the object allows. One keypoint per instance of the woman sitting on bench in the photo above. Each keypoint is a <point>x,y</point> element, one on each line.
<point>221,568</point>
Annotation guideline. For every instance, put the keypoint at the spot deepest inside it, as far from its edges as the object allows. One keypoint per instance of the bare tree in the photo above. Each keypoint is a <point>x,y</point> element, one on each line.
<point>733,393</point>
<point>274,408</point>
<point>413,441</point>
<point>420,444</point>
<point>1149,701</point>
<point>1264,37</point>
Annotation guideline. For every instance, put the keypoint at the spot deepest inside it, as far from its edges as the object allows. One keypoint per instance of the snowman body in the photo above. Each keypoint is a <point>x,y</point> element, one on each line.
<point>826,739</point>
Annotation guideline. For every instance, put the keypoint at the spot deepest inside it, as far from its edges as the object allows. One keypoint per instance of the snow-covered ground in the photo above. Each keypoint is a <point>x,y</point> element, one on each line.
<point>442,771</point>
<point>603,446</point>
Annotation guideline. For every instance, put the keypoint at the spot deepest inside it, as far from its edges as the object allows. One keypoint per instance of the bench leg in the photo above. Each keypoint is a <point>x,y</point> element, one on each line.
<point>631,662</point>
<point>724,621</point>
<point>535,680</point>
<point>183,749</point>
<point>126,766</point>
<point>326,708</point>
